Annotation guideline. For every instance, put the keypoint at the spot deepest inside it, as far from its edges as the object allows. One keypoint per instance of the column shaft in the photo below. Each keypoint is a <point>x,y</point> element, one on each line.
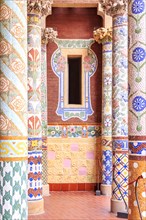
<point>36,203</point>
<point>120,113</point>
<point>137,108</point>
<point>13,109</point>
<point>106,118</point>
<point>44,120</point>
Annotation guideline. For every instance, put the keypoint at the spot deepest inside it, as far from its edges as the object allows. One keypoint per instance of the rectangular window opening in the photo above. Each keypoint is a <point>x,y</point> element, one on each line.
<point>74,80</point>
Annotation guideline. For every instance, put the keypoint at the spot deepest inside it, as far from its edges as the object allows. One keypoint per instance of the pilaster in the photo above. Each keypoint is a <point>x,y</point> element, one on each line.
<point>48,35</point>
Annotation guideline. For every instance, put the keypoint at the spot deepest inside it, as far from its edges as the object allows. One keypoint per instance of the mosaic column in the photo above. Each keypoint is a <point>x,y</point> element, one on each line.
<point>44,114</point>
<point>36,9</point>
<point>104,36</point>
<point>13,109</point>
<point>48,35</point>
<point>118,10</point>
<point>137,109</point>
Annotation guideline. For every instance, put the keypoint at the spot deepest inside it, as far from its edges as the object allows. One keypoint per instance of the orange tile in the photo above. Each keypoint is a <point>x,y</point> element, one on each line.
<point>56,187</point>
<point>64,187</point>
<point>81,186</point>
<point>73,187</point>
<point>89,186</point>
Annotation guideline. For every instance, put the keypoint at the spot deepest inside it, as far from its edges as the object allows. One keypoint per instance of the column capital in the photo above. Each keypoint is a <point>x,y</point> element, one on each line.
<point>40,7</point>
<point>102,35</point>
<point>48,34</point>
<point>114,7</point>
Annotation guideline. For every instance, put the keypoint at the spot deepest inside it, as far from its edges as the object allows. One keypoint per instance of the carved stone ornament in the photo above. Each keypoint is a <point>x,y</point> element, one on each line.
<point>102,35</point>
<point>48,34</point>
<point>113,7</point>
<point>41,7</point>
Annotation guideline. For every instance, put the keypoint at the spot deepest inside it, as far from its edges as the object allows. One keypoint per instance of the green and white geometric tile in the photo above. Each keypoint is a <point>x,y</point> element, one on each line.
<point>13,190</point>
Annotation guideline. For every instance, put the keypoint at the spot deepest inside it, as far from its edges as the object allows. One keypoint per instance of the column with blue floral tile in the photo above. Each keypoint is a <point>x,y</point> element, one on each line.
<point>137,108</point>
<point>118,11</point>
<point>48,35</point>
<point>104,36</point>
<point>36,9</point>
<point>13,109</point>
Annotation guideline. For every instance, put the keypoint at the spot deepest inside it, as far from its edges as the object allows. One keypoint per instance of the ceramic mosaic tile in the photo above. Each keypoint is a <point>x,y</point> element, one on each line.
<point>13,190</point>
<point>74,131</point>
<point>59,66</point>
<point>72,160</point>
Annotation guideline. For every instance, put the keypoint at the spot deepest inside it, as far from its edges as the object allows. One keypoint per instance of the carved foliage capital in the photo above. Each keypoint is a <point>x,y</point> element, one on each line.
<point>48,34</point>
<point>102,35</point>
<point>41,7</point>
<point>114,7</point>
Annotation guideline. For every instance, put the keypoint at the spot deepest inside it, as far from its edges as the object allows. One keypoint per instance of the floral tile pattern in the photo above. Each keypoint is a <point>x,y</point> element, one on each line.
<point>120,77</point>
<point>107,113</point>
<point>120,106</point>
<point>55,131</point>
<point>137,63</point>
<point>137,102</point>
<point>74,131</point>
<point>44,90</point>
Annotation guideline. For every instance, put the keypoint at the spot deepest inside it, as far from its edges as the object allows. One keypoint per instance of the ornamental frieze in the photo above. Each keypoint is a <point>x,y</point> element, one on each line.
<point>114,7</point>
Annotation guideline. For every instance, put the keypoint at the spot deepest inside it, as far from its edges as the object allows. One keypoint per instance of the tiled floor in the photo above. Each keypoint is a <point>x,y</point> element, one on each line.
<point>76,206</point>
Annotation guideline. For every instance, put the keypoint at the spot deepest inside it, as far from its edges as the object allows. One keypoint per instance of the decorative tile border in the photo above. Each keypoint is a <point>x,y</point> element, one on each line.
<point>120,145</point>
<point>78,43</point>
<point>34,175</point>
<point>74,131</point>
<point>137,147</point>
<point>13,148</point>
<point>107,167</point>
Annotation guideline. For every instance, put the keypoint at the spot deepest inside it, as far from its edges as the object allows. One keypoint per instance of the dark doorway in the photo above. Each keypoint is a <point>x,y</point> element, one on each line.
<point>74,66</point>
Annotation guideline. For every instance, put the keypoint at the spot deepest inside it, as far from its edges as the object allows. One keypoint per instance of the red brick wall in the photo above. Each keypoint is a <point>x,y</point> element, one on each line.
<point>74,23</point>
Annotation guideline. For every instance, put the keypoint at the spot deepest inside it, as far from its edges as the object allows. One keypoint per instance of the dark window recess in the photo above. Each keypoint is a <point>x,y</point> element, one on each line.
<point>74,66</point>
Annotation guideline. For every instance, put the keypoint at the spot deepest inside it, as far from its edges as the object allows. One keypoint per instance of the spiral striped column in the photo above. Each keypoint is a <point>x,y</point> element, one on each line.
<point>44,119</point>
<point>13,109</point>
<point>106,185</point>
<point>35,199</point>
<point>120,113</point>
<point>137,108</point>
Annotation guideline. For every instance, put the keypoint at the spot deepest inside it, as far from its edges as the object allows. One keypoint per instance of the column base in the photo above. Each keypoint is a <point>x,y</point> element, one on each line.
<point>36,207</point>
<point>106,190</point>
<point>117,206</point>
<point>46,190</point>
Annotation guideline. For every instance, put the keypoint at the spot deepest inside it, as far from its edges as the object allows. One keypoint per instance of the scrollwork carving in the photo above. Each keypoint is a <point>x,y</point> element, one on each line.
<point>42,7</point>
<point>48,34</point>
<point>102,35</point>
<point>113,7</point>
